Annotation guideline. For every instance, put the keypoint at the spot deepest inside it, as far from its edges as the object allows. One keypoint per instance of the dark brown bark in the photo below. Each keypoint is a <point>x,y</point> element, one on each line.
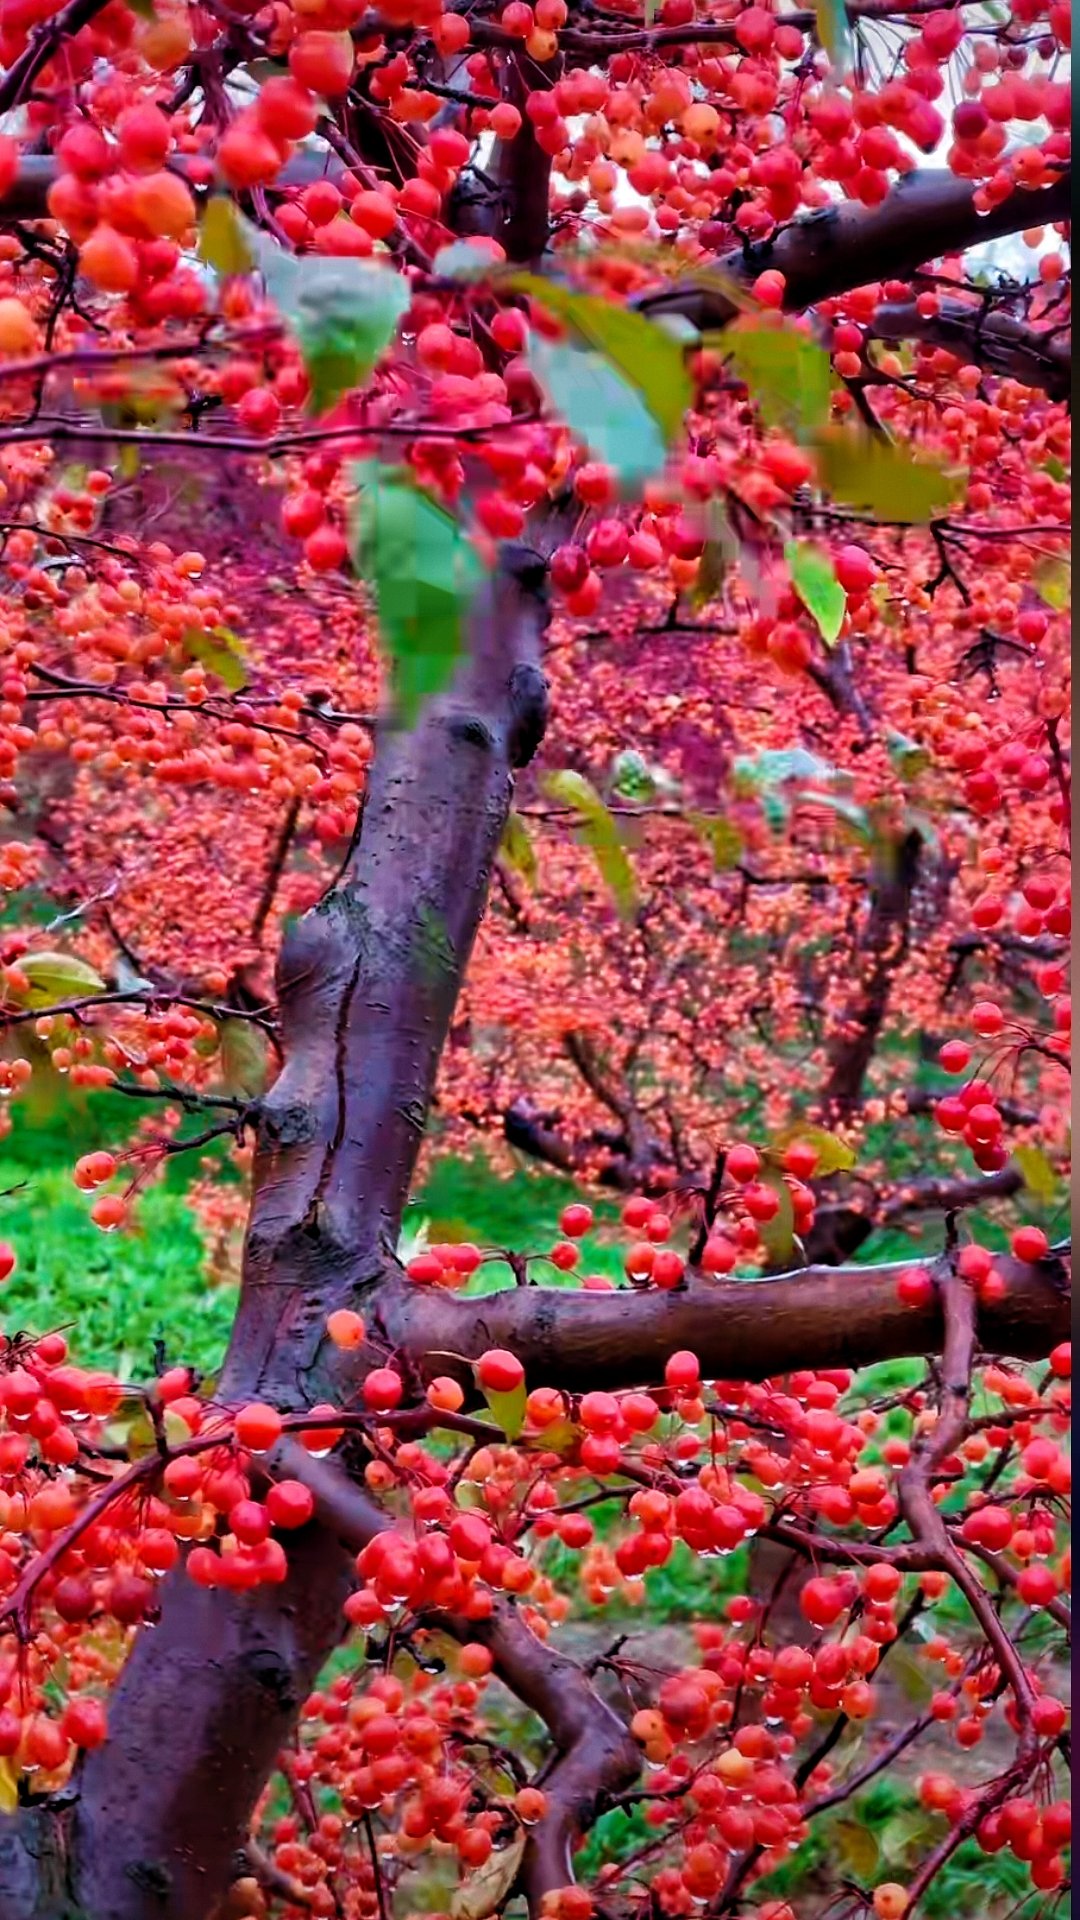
<point>882,948</point>
<point>927,214</point>
<point>745,1330</point>
<point>996,341</point>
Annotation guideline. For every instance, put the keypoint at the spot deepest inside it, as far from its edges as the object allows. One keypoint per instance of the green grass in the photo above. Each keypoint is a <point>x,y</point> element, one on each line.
<point>118,1293</point>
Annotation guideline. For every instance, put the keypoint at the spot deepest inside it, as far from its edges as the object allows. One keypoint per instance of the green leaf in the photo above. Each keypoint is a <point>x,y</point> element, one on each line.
<point>1039,1176</point>
<point>723,838</point>
<point>637,779</point>
<point>484,1892</point>
<point>344,312</point>
<point>864,471</point>
<point>597,830</point>
<point>601,409</point>
<point>508,1409</point>
<point>243,1058</point>
<point>833,31</point>
<point>787,373</point>
<point>817,586</point>
<point>1052,580</point>
<point>423,572</point>
<point>57,976</point>
<point>517,849</point>
<point>220,651</point>
<point>649,359</point>
<point>834,1155</point>
<point>1055,468</point>
<point>223,244</point>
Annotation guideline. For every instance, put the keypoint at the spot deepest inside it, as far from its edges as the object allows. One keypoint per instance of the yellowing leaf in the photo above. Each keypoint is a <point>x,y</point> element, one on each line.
<point>863,471</point>
<point>855,1847</point>
<point>220,651</point>
<point>777,1235</point>
<point>508,1409</point>
<point>1039,1176</point>
<point>833,31</point>
<point>9,1788</point>
<point>648,358</point>
<point>834,1155</point>
<point>597,830</point>
<point>1052,580</point>
<point>243,1058</point>
<point>222,244</point>
<point>724,840</point>
<point>484,1891</point>
<point>817,586</point>
<point>57,976</point>
<point>517,848</point>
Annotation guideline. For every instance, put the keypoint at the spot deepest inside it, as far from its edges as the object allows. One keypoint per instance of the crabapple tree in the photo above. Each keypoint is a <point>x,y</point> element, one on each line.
<point>534,542</point>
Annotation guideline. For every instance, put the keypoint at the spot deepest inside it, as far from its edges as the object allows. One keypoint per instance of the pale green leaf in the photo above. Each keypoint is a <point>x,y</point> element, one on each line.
<point>220,651</point>
<point>834,1155</point>
<point>863,471</point>
<point>815,582</point>
<point>57,976</point>
<point>482,1893</point>
<point>508,1409</point>
<point>648,358</point>
<point>600,409</point>
<point>775,766</point>
<point>1052,580</point>
<point>464,261</point>
<point>777,1235</point>
<point>1039,1176</point>
<point>343,311</point>
<point>423,571</point>
<point>907,756</point>
<point>722,837</point>
<point>223,243</point>
<point>787,373</point>
<point>597,830</point>
<point>517,849</point>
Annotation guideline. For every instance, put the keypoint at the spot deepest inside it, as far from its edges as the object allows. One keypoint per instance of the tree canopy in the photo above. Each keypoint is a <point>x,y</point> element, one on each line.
<point>535,546</point>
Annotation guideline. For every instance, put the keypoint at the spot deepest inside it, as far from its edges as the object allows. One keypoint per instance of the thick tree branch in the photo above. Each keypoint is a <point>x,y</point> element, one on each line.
<point>594,1753</point>
<point>745,1330</point>
<point>927,214</point>
<point>997,341</point>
